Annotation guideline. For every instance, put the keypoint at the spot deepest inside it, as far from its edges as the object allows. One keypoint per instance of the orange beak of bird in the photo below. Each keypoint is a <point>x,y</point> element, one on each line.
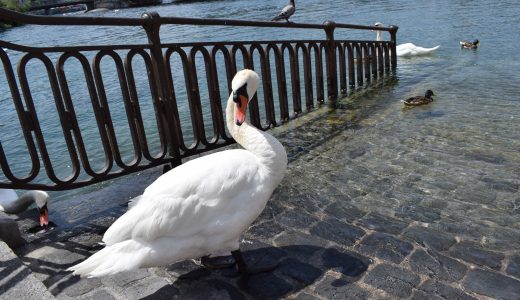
<point>240,98</point>
<point>44,216</point>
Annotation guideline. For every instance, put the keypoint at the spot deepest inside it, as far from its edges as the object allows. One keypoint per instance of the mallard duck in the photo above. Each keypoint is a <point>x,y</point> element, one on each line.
<point>469,45</point>
<point>420,100</point>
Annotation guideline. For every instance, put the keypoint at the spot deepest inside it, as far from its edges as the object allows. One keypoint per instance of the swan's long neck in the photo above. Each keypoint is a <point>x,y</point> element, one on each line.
<point>264,146</point>
<point>379,35</point>
<point>18,205</point>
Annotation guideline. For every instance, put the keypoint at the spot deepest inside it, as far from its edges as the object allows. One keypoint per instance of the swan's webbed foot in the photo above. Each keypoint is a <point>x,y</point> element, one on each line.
<point>218,262</point>
<point>245,270</point>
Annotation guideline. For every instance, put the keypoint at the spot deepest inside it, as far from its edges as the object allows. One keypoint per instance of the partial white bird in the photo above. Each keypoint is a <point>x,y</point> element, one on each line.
<point>10,203</point>
<point>406,49</point>
<point>286,12</point>
<point>201,207</point>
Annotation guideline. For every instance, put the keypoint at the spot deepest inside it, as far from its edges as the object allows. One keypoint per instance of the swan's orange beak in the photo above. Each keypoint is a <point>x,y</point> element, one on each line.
<point>240,110</point>
<point>44,216</point>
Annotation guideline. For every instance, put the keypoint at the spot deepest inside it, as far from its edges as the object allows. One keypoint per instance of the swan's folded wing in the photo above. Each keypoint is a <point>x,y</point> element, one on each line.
<point>196,197</point>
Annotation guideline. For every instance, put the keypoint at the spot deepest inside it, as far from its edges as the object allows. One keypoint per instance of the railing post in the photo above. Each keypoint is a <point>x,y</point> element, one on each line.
<point>162,87</point>
<point>393,38</point>
<point>332,74</point>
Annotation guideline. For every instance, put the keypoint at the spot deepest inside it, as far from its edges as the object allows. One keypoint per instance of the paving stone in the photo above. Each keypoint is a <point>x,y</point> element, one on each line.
<point>492,284</point>
<point>302,272</point>
<point>264,230</point>
<point>296,219</point>
<point>382,223</point>
<point>306,296</point>
<point>265,286</point>
<point>199,289</point>
<point>344,211</point>
<point>385,246</point>
<point>144,287</point>
<point>513,268</point>
<point>76,286</point>
<point>443,291</point>
<point>501,185</point>
<point>333,288</point>
<point>126,278</point>
<point>437,265</point>
<point>418,213</point>
<point>349,264</point>
<point>430,238</point>
<point>474,253</point>
<point>337,231</point>
<point>100,294</point>
<point>393,280</point>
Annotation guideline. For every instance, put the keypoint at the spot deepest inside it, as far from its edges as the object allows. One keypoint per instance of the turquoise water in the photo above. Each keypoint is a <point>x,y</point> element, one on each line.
<point>474,118</point>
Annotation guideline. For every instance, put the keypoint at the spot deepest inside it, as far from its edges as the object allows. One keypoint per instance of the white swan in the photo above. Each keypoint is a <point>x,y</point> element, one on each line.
<point>10,203</point>
<point>201,207</point>
<point>407,49</point>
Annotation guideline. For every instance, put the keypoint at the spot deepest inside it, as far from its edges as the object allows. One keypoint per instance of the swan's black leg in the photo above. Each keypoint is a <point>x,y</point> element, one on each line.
<point>244,269</point>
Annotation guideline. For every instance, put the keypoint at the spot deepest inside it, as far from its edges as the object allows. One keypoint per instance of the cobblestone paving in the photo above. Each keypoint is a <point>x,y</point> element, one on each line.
<point>361,214</point>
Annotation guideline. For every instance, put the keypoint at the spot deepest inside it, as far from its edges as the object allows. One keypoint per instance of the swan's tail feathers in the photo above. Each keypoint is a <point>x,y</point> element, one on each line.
<point>134,201</point>
<point>124,256</point>
<point>278,17</point>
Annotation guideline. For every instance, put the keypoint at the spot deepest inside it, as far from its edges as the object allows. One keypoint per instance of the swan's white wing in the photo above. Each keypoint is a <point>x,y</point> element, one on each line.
<point>198,197</point>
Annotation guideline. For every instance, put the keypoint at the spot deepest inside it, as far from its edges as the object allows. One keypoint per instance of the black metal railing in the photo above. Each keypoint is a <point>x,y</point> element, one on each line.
<point>315,69</point>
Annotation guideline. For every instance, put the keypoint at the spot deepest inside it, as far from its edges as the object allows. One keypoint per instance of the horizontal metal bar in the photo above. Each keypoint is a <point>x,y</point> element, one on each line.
<point>64,20</point>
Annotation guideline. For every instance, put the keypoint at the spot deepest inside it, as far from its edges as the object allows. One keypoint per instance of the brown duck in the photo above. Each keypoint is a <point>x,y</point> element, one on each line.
<point>420,100</point>
<point>469,44</point>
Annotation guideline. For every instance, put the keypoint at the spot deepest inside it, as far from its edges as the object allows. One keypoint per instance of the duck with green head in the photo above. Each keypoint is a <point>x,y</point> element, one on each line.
<point>420,100</point>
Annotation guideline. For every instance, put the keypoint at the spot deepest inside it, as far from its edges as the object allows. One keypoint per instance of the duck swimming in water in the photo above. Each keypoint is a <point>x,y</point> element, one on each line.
<point>420,100</point>
<point>469,45</point>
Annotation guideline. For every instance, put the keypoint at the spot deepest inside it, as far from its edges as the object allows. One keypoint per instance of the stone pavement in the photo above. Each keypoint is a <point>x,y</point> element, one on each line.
<point>359,215</point>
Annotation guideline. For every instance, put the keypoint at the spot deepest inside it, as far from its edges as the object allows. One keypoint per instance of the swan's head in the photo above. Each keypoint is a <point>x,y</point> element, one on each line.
<point>244,86</point>
<point>429,94</point>
<point>378,32</point>
<point>40,198</point>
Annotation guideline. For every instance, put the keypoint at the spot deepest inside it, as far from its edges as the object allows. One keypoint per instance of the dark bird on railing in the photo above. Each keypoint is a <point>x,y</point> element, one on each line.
<point>10,203</point>
<point>286,12</point>
<point>202,207</point>
<point>419,100</point>
<point>469,45</point>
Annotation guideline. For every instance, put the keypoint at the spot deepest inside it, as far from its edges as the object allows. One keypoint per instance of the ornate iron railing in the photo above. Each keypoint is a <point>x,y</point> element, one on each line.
<point>312,67</point>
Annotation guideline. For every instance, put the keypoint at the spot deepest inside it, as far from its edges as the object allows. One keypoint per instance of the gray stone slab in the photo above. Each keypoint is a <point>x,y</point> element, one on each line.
<point>513,267</point>
<point>436,265</point>
<point>382,223</point>
<point>334,288</point>
<point>337,231</point>
<point>492,284</point>
<point>393,280</point>
<point>430,237</point>
<point>476,254</point>
<point>10,233</point>
<point>385,247</point>
<point>16,280</point>
<point>432,288</point>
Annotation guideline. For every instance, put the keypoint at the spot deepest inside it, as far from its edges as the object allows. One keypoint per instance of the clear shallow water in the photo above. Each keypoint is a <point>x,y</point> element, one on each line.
<point>474,118</point>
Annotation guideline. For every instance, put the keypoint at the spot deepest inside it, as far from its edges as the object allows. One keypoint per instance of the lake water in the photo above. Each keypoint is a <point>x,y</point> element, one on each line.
<point>472,126</point>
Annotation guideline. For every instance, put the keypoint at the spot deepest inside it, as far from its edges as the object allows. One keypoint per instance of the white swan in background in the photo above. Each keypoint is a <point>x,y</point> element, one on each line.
<point>201,207</point>
<point>407,49</point>
<point>10,203</point>
<point>286,12</point>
